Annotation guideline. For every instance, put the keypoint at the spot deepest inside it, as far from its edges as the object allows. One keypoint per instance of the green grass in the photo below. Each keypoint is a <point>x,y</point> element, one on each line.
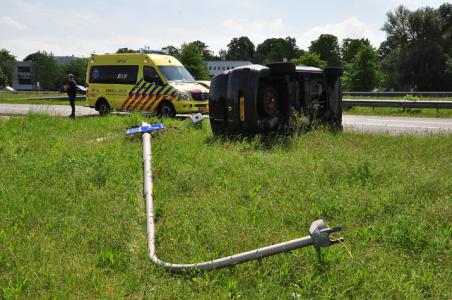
<point>72,220</point>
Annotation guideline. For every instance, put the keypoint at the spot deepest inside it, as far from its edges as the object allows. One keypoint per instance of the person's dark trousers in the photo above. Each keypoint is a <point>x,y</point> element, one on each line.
<point>72,102</point>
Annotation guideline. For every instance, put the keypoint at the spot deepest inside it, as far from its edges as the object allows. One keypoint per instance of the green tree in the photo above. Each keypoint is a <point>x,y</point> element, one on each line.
<point>126,50</point>
<point>205,52</point>
<point>418,48</point>
<point>327,47</point>
<point>310,59</point>
<point>6,70</point>
<point>3,79</point>
<point>362,73</point>
<point>191,57</point>
<point>171,50</point>
<point>76,67</point>
<point>276,49</point>
<point>44,70</point>
<point>241,49</point>
<point>350,48</point>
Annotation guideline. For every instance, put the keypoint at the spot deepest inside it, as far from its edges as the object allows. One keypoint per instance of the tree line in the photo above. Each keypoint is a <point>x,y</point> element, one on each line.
<point>45,70</point>
<point>416,55</point>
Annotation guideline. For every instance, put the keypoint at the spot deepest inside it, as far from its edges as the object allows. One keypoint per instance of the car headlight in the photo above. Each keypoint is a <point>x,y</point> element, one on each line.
<point>183,96</point>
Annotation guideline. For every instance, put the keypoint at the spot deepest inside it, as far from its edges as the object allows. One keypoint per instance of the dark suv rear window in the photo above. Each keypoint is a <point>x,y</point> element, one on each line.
<point>114,74</point>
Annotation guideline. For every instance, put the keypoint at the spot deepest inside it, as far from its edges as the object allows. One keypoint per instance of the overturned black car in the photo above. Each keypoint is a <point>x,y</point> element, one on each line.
<point>258,99</point>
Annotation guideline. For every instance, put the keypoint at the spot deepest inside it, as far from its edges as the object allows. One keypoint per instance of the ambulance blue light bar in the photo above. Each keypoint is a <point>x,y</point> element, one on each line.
<point>145,128</point>
<point>147,51</point>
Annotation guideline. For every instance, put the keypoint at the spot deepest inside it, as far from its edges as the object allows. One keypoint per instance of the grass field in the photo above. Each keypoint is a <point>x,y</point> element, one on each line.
<point>72,222</point>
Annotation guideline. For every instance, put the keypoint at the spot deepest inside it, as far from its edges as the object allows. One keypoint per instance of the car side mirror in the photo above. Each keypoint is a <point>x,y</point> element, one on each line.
<point>157,80</point>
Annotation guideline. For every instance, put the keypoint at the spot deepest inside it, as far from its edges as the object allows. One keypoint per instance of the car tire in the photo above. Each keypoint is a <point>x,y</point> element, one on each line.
<point>102,107</point>
<point>166,109</point>
<point>268,101</point>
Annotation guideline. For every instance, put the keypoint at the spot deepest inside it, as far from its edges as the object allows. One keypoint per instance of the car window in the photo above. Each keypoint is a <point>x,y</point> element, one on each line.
<point>176,73</point>
<point>149,75</point>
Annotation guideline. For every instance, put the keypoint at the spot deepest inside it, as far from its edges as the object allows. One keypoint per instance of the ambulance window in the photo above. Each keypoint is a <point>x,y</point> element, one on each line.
<point>149,74</point>
<point>176,73</point>
<point>114,74</point>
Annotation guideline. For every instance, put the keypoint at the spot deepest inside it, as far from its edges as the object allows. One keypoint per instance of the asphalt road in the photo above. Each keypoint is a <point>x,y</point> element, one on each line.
<point>397,125</point>
<point>391,125</point>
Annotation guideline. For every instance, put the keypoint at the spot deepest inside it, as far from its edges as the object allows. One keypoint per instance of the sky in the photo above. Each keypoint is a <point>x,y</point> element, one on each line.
<point>83,27</point>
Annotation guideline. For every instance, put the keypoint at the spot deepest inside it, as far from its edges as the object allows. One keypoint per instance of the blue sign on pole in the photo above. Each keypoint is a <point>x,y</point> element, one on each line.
<point>146,128</point>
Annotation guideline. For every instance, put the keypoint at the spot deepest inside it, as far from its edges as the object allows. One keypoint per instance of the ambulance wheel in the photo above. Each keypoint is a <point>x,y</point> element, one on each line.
<point>102,107</point>
<point>166,109</point>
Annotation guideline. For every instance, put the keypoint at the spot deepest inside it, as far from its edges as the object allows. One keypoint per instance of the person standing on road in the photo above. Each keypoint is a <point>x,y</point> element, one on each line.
<point>72,92</point>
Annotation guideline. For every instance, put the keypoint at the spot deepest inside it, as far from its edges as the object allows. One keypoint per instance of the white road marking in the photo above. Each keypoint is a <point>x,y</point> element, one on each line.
<point>410,121</point>
<point>393,125</point>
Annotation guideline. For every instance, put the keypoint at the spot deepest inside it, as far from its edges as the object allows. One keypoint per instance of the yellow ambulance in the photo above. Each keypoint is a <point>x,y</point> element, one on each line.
<point>146,82</point>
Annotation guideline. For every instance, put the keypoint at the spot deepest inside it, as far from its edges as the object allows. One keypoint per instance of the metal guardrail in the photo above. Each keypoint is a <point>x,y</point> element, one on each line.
<point>398,94</point>
<point>30,92</point>
<point>56,98</point>
<point>346,103</point>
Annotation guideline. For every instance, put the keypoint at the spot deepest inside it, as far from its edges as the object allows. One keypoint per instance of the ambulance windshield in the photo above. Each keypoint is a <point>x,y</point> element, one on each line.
<point>176,73</point>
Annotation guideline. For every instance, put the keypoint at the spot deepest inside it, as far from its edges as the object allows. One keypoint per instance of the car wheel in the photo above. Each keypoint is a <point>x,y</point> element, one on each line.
<point>268,101</point>
<point>102,107</point>
<point>166,109</point>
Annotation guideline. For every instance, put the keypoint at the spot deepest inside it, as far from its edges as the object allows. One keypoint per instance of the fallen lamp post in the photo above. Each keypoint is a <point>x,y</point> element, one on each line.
<point>318,232</point>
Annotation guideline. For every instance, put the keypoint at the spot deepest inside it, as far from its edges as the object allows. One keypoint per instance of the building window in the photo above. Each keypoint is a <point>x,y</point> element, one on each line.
<point>24,69</point>
<point>24,81</point>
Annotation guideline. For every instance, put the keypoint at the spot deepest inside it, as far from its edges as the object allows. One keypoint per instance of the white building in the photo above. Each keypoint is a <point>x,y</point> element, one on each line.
<point>21,76</point>
<point>216,67</point>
